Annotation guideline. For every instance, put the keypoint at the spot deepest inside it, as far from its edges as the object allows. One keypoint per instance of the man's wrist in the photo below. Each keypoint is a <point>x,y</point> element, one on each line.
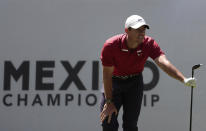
<point>183,80</point>
<point>108,101</point>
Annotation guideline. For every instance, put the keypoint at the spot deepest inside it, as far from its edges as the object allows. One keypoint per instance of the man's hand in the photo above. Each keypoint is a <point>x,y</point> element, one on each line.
<point>108,110</point>
<point>191,82</point>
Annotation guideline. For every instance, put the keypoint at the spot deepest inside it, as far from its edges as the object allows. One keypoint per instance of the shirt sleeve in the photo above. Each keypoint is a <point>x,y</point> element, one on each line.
<point>107,57</point>
<point>155,50</point>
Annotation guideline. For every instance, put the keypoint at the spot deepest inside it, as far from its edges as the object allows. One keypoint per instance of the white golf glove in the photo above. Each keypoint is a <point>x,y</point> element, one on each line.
<point>191,82</point>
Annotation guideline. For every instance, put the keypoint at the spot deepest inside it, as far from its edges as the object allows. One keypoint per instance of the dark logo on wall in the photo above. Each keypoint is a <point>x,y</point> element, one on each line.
<point>42,92</point>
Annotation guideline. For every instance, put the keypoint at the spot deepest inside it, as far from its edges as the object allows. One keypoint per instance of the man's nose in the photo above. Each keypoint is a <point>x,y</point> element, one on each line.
<point>142,32</point>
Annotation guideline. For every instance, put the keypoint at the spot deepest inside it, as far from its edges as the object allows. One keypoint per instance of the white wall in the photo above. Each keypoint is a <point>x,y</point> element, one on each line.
<point>56,30</point>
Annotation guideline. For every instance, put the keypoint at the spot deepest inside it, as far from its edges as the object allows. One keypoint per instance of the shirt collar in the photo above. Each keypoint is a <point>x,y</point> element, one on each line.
<point>124,43</point>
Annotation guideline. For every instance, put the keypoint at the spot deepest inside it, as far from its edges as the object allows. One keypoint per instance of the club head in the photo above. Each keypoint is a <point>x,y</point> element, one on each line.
<point>196,66</point>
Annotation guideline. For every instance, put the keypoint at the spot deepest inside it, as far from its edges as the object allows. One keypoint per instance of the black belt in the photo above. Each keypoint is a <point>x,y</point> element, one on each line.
<point>125,77</point>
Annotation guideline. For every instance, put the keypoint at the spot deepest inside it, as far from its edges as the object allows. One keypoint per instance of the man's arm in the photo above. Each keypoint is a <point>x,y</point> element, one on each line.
<point>109,107</point>
<point>172,71</point>
<point>107,80</point>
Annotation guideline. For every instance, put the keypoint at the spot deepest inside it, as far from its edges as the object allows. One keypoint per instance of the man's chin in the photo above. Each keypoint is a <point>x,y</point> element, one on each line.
<point>140,40</point>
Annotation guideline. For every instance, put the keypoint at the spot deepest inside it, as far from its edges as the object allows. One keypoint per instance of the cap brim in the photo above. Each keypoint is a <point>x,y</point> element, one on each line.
<point>139,25</point>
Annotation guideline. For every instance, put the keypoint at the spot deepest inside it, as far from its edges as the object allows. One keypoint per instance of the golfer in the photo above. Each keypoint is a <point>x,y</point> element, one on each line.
<point>123,57</point>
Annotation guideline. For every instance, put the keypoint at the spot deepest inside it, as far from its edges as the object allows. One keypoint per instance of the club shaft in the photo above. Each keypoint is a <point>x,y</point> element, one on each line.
<point>191,104</point>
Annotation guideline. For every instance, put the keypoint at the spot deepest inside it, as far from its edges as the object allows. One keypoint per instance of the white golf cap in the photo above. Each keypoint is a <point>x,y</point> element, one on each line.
<point>135,21</point>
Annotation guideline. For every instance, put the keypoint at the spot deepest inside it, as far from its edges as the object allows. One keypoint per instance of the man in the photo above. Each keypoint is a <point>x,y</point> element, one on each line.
<point>123,57</point>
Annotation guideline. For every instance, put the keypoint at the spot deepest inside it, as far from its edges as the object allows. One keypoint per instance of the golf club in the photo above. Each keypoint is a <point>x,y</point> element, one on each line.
<point>191,104</point>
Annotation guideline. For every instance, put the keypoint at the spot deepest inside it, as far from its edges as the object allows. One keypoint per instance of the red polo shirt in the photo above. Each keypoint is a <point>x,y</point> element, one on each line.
<point>126,62</point>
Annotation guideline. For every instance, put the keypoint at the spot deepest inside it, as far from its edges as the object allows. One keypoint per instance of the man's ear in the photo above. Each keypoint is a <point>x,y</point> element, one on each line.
<point>126,30</point>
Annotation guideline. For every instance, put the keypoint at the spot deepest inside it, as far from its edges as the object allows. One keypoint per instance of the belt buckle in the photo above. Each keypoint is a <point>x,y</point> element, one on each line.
<point>124,77</point>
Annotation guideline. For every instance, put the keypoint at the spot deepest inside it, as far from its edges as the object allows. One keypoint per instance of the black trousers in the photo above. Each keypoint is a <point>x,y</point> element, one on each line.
<point>127,93</point>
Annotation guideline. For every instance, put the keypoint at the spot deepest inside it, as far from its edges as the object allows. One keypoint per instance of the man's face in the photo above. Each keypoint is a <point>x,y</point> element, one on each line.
<point>137,35</point>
